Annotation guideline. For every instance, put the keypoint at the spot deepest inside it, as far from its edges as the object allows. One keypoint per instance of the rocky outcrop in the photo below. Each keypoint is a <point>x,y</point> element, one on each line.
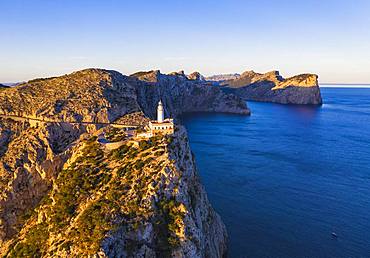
<point>272,87</point>
<point>223,77</point>
<point>181,95</point>
<point>91,95</point>
<point>96,95</point>
<point>30,160</point>
<point>141,200</point>
<point>196,76</point>
<point>165,190</point>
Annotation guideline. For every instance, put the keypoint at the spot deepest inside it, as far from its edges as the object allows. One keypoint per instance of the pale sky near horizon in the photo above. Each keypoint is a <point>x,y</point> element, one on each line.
<point>43,38</point>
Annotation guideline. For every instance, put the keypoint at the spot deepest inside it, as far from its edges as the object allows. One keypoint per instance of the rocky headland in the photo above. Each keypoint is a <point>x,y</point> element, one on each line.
<point>272,87</point>
<point>180,94</point>
<point>63,194</point>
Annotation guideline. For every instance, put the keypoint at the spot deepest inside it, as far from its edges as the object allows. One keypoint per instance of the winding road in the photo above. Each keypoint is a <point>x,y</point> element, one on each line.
<point>35,121</point>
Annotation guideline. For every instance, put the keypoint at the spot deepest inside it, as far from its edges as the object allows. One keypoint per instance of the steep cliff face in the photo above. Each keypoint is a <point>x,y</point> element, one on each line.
<point>180,95</point>
<point>96,95</point>
<point>141,200</point>
<point>32,157</point>
<point>272,87</point>
<point>30,160</point>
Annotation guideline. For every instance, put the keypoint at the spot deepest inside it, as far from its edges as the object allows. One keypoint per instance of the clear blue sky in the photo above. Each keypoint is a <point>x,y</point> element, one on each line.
<point>42,38</point>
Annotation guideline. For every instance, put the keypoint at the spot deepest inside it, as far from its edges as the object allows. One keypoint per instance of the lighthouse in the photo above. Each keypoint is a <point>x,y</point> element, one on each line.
<point>160,112</point>
<point>160,126</point>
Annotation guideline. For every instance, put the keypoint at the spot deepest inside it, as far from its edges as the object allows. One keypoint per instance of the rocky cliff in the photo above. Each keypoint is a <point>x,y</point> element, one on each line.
<point>87,95</point>
<point>180,95</point>
<point>272,87</point>
<point>55,180</point>
<point>96,95</point>
<point>141,200</point>
<point>30,159</point>
<point>223,77</point>
<point>196,76</point>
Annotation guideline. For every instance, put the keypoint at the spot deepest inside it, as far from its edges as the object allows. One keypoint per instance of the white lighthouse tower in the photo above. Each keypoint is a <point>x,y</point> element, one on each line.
<point>160,126</point>
<point>160,112</point>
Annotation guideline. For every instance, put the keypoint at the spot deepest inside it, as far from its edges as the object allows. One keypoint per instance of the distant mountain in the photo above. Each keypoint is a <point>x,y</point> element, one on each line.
<point>223,77</point>
<point>11,84</point>
<point>272,87</point>
<point>3,86</point>
<point>196,76</point>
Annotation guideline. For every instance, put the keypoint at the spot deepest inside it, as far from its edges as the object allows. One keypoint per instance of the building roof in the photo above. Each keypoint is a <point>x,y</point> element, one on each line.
<point>162,123</point>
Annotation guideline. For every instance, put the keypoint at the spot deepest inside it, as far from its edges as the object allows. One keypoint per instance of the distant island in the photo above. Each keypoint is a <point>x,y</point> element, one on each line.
<point>272,87</point>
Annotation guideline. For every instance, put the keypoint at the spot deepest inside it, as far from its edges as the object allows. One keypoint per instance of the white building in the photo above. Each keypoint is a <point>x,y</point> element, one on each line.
<point>161,125</point>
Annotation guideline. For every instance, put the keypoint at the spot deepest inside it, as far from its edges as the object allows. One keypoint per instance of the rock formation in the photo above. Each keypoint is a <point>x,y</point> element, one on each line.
<point>62,195</point>
<point>272,87</point>
<point>140,200</point>
<point>223,77</point>
<point>87,95</point>
<point>181,95</point>
<point>196,76</point>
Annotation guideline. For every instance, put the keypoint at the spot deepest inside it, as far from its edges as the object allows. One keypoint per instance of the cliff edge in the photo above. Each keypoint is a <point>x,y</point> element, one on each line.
<point>272,87</point>
<point>143,199</point>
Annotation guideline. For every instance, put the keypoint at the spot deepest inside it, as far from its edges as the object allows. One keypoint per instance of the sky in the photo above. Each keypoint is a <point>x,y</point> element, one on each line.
<point>42,38</point>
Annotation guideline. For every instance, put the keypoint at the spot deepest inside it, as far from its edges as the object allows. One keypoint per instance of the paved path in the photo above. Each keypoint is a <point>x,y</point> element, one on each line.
<point>39,120</point>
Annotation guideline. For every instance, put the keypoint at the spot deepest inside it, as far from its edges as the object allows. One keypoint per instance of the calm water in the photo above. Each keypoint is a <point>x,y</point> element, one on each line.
<point>287,177</point>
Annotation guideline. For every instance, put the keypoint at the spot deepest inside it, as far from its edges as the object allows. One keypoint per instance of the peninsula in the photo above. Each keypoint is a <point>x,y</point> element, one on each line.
<point>272,87</point>
<point>92,165</point>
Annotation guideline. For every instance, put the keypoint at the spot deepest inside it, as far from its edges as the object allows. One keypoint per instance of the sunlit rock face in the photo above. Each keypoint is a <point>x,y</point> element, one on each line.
<point>196,76</point>
<point>87,95</point>
<point>52,175</point>
<point>272,87</point>
<point>181,95</point>
<point>143,199</point>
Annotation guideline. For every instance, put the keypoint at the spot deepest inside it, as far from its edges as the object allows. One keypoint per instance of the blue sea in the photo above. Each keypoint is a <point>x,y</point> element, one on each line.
<point>287,177</point>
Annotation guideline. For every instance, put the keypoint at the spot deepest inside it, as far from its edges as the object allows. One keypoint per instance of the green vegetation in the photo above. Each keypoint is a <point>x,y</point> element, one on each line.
<point>115,135</point>
<point>120,152</point>
<point>100,192</point>
<point>86,174</point>
<point>167,224</point>
<point>75,185</point>
<point>31,246</point>
<point>92,226</point>
<point>40,79</point>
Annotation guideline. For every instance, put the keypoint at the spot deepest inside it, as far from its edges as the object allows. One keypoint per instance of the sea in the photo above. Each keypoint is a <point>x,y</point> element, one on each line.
<point>290,181</point>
